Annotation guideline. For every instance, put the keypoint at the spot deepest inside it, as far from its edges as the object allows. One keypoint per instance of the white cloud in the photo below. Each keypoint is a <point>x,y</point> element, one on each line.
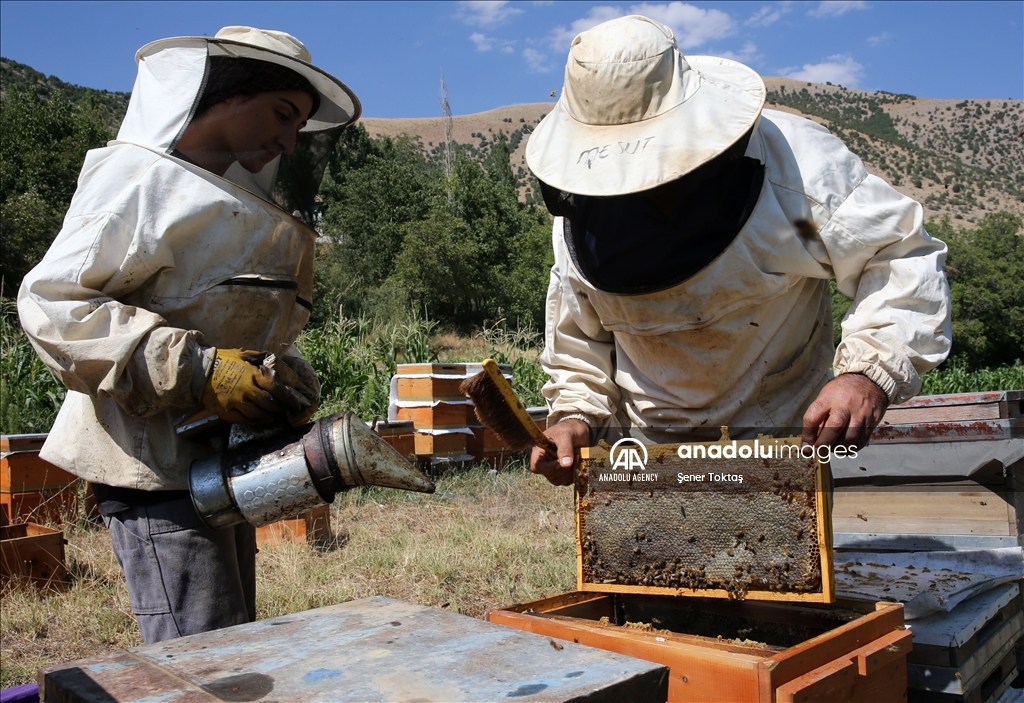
<point>485,43</point>
<point>838,69</point>
<point>835,8</point>
<point>768,15</point>
<point>879,38</point>
<point>561,37</point>
<point>486,13</point>
<point>745,55</point>
<point>536,60</point>
<point>693,26</point>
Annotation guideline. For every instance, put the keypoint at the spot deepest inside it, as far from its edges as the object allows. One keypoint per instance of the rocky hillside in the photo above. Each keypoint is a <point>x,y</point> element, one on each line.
<point>960,158</point>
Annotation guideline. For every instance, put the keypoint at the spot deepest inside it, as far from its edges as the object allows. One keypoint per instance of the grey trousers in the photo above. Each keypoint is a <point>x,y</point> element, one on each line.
<point>184,578</point>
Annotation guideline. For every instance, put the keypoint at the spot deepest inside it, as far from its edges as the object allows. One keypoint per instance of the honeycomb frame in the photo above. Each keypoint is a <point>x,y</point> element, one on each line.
<point>767,537</point>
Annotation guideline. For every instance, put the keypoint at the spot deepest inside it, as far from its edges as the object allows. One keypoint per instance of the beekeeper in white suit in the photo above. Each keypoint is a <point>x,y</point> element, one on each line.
<point>175,274</point>
<point>695,235</point>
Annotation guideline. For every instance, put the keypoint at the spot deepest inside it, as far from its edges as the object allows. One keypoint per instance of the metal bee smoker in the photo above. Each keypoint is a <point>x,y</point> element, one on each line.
<point>260,480</point>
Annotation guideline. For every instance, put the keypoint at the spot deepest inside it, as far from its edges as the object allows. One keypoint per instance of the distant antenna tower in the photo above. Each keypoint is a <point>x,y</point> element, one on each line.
<point>448,153</point>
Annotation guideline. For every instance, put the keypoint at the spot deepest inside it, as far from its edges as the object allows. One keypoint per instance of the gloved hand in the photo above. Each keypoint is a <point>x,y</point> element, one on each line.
<point>241,389</point>
<point>298,376</point>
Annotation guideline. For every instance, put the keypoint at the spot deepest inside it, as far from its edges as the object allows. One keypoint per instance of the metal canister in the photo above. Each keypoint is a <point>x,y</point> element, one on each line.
<point>285,474</point>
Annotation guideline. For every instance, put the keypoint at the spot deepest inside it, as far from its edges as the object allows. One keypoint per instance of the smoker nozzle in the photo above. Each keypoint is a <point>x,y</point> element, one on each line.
<point>290,472</point>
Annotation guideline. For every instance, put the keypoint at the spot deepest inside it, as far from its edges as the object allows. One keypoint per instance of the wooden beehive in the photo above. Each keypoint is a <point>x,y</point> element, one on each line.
<point>33,553</point>
<point>738,651</point>
<point>447,444</point>
<point>312,527</point>
<point>23,471</point>
<point>757,527</point>
<point>48,505</point>
<point>440,416</point>
<point>399,434</point>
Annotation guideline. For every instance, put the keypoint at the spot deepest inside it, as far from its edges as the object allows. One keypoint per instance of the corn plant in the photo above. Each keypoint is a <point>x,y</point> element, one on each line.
<point>30,395</point>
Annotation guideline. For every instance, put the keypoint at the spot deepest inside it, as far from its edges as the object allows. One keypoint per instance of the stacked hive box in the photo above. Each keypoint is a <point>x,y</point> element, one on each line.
<point>32,489</point>
<point>943,472</point>
<point>428,396</point>
<point>445,426</point>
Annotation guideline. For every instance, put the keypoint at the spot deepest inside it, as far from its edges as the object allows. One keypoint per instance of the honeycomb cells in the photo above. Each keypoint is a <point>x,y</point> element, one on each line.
<point>760,535</point>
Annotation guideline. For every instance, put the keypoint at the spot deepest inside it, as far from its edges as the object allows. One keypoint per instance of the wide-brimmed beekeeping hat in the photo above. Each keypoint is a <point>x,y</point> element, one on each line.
<point>635,113</point>
<point>338,104</point>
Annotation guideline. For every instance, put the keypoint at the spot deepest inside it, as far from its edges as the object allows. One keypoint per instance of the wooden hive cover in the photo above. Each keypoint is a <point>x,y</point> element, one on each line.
<point>718,526</point>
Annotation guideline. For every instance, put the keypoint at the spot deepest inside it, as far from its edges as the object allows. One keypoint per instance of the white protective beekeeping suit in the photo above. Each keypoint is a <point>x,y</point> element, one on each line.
<point>158,262</point>
<point>748,340</point>
<point>745,338</point>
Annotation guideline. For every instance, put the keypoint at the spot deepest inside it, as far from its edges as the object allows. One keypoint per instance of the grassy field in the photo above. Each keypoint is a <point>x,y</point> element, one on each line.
<point>484,539</point>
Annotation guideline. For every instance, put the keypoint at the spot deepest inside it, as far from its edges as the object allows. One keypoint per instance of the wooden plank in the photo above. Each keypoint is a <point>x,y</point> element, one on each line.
<point>957,431</point>
<point>24,471</point>
<point>376,649</point>
<point>705,593</point>
<point>946,399</point>
<point>832,645</point>
<point>948,413</point>
<point>964,508</point>
<point>118,677</point>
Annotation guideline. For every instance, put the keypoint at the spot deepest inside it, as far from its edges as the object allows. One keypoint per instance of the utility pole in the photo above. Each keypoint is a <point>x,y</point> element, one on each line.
<point>448,152</point>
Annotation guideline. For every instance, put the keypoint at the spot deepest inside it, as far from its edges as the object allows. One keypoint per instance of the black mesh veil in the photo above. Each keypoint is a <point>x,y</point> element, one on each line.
<point>299,174</point>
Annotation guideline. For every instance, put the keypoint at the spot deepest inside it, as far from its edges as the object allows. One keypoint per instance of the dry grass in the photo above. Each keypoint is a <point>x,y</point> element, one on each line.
<point>483,540</point>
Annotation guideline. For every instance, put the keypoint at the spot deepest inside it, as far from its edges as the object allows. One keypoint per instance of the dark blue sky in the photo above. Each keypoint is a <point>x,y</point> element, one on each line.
<point>498,53</point>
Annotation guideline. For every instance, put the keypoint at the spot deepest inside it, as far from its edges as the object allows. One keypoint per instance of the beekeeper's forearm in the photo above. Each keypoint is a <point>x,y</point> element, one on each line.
<point>580,363</point>
<point>899,324</point>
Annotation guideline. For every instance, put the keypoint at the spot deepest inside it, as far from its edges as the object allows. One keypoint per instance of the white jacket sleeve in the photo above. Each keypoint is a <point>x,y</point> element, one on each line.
<point>95,344</point>
<point>579,354</point>
<point>898,326</point>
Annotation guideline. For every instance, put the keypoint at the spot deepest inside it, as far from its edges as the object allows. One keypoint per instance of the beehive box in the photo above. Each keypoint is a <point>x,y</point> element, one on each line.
<point>399,434</point>
<point>438,416</point>
<point>769,652</point>
<point>48,505</point>
<point>312,527</point>
<point>23,471</point>
<point>720,523</point>
<point>34,553</point>
<point>446,444</point>
<point>967,654</point>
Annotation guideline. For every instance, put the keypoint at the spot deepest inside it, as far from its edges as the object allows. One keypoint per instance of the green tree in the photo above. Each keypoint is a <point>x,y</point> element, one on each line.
<point>985,266</point>
<point>42,148</point>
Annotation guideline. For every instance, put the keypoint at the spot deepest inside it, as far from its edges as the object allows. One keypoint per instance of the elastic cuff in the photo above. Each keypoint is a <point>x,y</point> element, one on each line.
<point>202,367</point>
<point>881,379</point>
<point>582,417</point>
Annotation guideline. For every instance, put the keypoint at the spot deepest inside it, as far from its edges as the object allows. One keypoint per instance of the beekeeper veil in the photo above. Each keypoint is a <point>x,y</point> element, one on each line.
<point>182,76</point>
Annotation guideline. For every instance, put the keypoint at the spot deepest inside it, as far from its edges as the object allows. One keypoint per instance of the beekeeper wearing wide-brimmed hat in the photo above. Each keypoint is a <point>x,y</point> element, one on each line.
<point>183,262</point>
<point>695,236</point>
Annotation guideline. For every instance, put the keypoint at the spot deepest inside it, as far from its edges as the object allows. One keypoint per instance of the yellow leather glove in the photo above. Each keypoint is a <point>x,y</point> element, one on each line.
<point>241,389</point>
